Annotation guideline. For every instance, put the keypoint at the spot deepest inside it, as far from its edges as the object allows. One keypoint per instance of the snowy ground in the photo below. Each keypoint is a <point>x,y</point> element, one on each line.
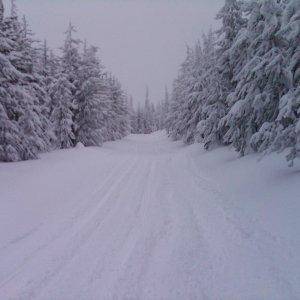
<point>145,218</point>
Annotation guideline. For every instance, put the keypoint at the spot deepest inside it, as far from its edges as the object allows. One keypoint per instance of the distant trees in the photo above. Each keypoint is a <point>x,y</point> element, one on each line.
<point>49,101</point>
<point>145,119</point>
<point>162,110</point>
<point>240,85</point>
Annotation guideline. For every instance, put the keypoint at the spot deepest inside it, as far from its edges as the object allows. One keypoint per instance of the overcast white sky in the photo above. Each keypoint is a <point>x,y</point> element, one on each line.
<point>141,41</point>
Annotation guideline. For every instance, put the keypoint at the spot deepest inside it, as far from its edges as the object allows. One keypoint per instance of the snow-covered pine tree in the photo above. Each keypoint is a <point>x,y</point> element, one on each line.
<point>70,55</point>
<point>133,116</point>
<point>14,145</point>
<point>48,71</point>
<point>161,111</point>
<point>70,64</point>
<point>159,116</point>
<point>213,96</point>
<point>185,108</point>
<point>1,11</point>
<point>174,113</point>
<point>62,114</point>
<point>46,78</point>
<point>118,121</point>
<point>139,120</point>
<point>19,52</point>
<point>165,107</point>
<point>93,101</point>
<point>38,91</point>
<point>37,87</point>
<point>52,73</point>
<point>231,17</point>
<point>45,61</point>
<point>192,86</point>
<point>227,61</point>
<point>262,80</point>
<point>148,114</point>
<point>284,134</point>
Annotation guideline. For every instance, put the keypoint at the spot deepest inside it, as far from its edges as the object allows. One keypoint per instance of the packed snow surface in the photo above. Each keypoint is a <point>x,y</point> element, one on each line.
<point>145,218</point>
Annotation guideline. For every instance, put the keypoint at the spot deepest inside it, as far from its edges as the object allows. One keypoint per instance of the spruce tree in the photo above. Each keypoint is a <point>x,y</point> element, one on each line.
<point>118,122</point>
<point>212,95</point>
<point>261,81</point>
<point>285,133</point>
<point>92,100</point>
<point>232,21</point>
<point>62,114</point>
<point>185,108</point>
<point>70,64</point>
<point>15,145</point>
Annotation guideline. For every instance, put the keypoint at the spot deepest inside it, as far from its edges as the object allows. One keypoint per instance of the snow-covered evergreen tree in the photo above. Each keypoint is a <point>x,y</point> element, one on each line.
<point>70,55</point>
<point>227,62</point>
<point>1,11</point>
<point>284,133</point>
<point>148,111</point>
<point>22,91</point>
<point>93,102</point>
<point>62,114</point>
<point>231,17</point>
<point>164,110</point>
<point>118,124</point>
<point>14,145</point>
<point>70,64</point>
<point>212,95</point>
<point>261,82</point>
<point>184,111</point>
<point>132,116</point>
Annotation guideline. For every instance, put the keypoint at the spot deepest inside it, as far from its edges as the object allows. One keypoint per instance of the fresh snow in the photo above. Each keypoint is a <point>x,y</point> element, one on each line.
<point>145,218</point>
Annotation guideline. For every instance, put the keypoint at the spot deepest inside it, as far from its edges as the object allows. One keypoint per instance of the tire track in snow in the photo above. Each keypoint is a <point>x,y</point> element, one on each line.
<point>113,250</point>
<point>75,214</point>
<point>253,248</point>
<point>70,221</point>
<point>117,246</point>
<point>33,285</point>
<point>136,261</point>
<point>191,252</point>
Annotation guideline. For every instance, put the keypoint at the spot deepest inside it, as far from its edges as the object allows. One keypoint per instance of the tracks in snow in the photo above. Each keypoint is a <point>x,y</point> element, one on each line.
<point>152,228</point>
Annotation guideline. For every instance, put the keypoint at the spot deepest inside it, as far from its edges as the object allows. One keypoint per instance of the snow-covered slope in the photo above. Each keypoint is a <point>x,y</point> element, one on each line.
<point>145,218</point>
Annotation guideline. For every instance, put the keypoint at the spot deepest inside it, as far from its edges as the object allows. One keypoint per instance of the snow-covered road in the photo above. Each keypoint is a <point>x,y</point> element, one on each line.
<point>136,219</point>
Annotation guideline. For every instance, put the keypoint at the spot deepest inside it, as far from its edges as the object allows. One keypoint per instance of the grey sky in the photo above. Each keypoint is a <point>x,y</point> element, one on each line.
<point>141,41</point>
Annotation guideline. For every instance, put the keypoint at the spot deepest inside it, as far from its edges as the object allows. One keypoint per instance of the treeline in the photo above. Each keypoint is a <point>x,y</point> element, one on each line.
<point>49,101</point>
<point>147,117</point>
<point>240,85</point>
